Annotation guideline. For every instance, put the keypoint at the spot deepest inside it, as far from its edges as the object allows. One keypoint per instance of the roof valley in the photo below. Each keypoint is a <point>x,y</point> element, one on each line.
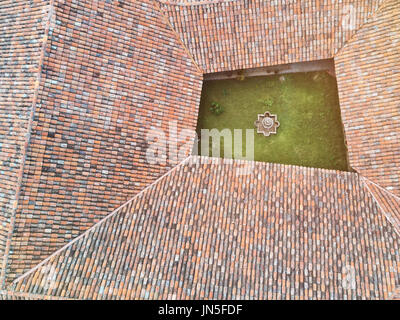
<point>178,37</point>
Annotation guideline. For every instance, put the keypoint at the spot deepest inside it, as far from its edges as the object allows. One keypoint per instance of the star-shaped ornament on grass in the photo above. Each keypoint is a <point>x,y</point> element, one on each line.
<point>267,124</point>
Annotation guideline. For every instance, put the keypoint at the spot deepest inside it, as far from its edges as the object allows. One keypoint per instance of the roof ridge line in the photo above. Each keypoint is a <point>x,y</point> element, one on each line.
<point>254,162</point>
<point>389,218</point>
<point>382,188</point>
<point>114,212</point>
<point>158,8</point>
<point>3,269</point>
<point>362,25</point>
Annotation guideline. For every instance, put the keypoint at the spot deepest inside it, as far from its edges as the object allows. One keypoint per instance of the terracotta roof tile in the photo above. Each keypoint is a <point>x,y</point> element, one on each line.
<point>396,295</point>
<point>201,231</point>
<point>368,74</point>
<point>22,29</point>
<point>388,202</point>
<point>110,74</point>
<point>204,232</point>
<point>232,35</point>
<point>12,295</point>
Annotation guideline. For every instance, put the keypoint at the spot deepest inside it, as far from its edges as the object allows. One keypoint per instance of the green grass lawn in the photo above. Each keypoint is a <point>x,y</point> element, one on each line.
<point>307,106</point>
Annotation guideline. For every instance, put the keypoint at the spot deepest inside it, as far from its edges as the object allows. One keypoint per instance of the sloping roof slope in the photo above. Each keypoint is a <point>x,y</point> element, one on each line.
<point>112,71</point>
<point>396,295</point>
<point>230,35</point>
<point>204,232</point>
<point>12,295</point>
<point>22,30</point>
<point>388,202</point>
<point>368,74</point>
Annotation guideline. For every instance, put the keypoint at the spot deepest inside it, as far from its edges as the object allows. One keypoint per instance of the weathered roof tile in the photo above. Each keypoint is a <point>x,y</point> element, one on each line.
<point>281,232</point>
<point>369,90</point>
<point>241,34</point>
<point>109,75</point>
<point>201,231</point>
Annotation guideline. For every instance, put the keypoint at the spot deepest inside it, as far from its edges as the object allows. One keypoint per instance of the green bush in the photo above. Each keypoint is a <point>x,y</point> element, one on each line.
<point>216,108</point>
<point>268,103</point>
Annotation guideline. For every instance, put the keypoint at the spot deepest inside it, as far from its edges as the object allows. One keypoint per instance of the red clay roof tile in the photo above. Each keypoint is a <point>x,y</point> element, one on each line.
<point>388,202</point>
<point>22,30</point>
<point>103,86</point>
<point>281,232</point>
<point>241,34</point>
<point>109,75</point>
<point>368,75</point>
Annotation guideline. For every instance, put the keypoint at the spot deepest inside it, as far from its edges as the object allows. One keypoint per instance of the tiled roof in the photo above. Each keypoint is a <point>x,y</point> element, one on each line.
<point>85,81</point>
<point>232,35</point>
<point>396,295</point>
<point>111,72</point>
<point>368,74</point>
<point>12,295</point>
<point>22,28</point>
<point>202,231</point>
<point>388,202</point>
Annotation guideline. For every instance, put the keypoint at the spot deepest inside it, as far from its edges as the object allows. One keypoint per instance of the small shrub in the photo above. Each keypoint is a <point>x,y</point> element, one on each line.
<point>216,108</point>
<point>268,103</point>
